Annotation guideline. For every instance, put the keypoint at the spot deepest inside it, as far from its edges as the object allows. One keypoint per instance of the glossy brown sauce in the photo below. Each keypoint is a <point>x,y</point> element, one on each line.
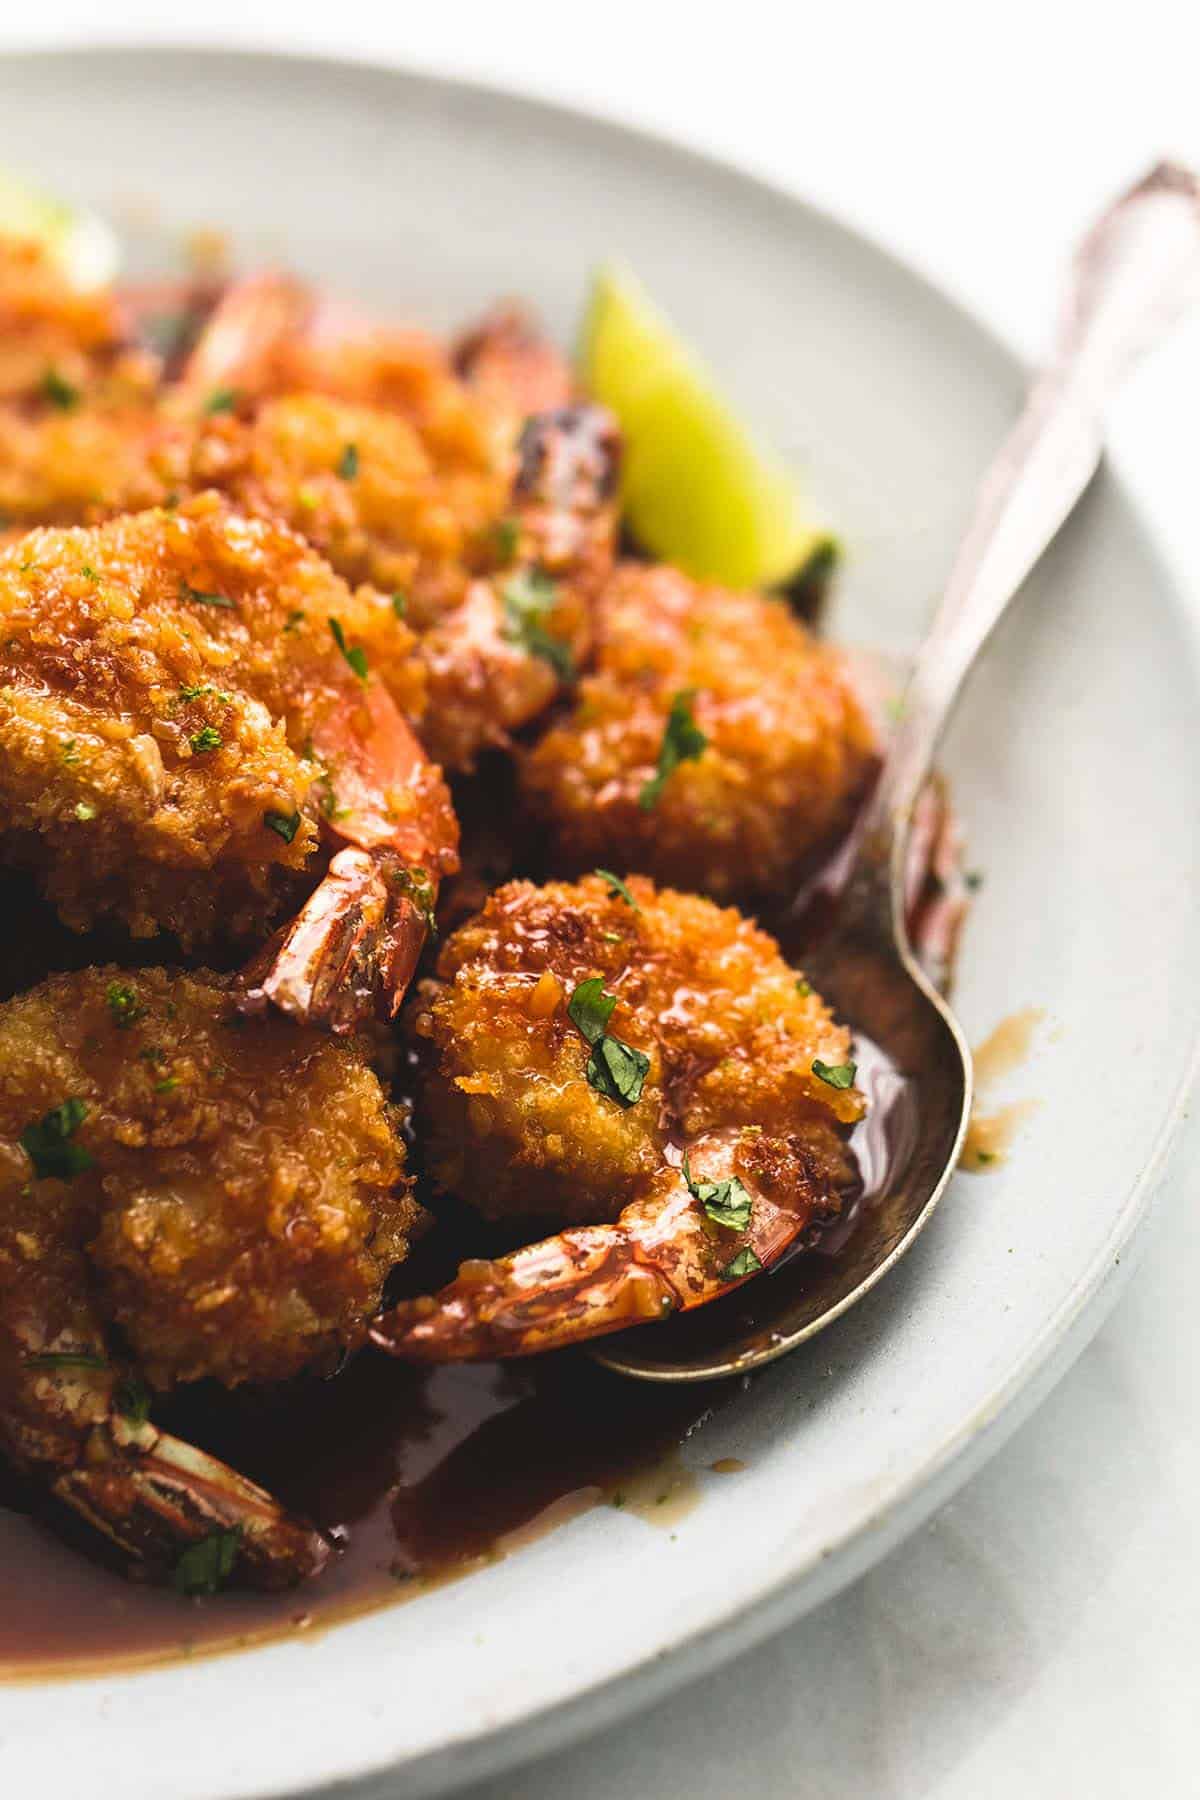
<point>991,1132</point>
<point>421,1474</point>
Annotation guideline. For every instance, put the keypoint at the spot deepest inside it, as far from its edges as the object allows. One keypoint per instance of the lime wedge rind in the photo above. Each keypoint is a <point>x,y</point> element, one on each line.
<point>697,488</point>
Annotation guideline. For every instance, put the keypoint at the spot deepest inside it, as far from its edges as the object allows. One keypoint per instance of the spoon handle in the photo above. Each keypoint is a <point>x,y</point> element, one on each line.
<point>1133,276</point>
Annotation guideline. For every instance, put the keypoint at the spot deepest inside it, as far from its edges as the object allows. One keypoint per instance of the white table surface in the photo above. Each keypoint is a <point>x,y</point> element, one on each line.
<point>1042,1636</point>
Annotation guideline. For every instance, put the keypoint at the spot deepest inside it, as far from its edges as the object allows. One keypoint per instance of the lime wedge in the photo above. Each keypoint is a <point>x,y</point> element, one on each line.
<point>81,243</point>
<point>697,489</point>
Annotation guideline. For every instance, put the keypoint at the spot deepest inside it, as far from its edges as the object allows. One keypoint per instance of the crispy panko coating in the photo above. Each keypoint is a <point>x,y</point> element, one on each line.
<point>58,343</point>
<point>788,748</point>
<point>512,1123</point>
<point>241,1195</point>
<point>162,679</point>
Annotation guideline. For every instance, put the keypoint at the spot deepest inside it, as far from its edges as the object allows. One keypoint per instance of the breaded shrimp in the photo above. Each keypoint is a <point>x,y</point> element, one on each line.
<point>183,1193</point>
<point>716,744</point>
<point>638,1058</point>
<point>189,700</point>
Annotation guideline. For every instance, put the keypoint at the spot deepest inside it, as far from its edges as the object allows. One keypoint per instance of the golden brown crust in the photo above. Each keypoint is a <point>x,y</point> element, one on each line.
<point>789,749</point>
<point>162,678</point>
<point>513,1125</point>
<point>246,1197</point>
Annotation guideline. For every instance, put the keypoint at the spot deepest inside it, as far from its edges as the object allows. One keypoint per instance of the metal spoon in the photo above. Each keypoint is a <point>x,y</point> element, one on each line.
<point>1133,276</point>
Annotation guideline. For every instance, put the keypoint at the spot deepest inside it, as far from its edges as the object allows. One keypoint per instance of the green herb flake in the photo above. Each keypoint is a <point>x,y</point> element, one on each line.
<point>743,1264</point>
<point>284,825</point>
<point>590,1008</point>
<point>416,886</point>
<point>167,1085</point>
<point>726,1202</point>
<point>197,690</point>
<point>123,1004</point>
<point>84,810</point>
<point>65,1359</point>
<point>59,392</point>
<point>528,596</point>
<point>152,1054</point>
<point>617,888</point>
<point>48,1142</point>
<point>89,574</point>
<point>348,462</point>
<point>69,752</point>
<point>221,400</point>
<point>507,535</point>
<point>294,619</point>
<point>617,1070</point>
<point>202,599</point>
<point>206,739</point>
<point>205,1567</point>
<point>974,880</point>
<point>400,605</point>
<point>132,1400</point>
<point>355,656</point>
<point>835,1075</point>
<point>683,741</point>
<point>803,988</point>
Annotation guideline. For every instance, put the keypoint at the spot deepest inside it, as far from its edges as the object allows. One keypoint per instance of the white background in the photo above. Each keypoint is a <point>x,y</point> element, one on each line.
<point>1042,1636</point>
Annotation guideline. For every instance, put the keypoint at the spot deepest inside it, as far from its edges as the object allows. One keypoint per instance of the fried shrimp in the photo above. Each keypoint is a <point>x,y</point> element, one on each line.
<point>638,1062</point>
<point>191,702</point>
<point>716,744</point>
<point>183,1193</point>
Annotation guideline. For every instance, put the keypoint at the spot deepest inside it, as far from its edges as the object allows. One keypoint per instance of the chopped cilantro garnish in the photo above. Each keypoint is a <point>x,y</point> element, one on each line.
<point>284,825</point>
<point>196,690</point>
<point>617,886</point>
<point>167,1085</point>
<point>743,1264</point>
<point>725,1202</point>
<point>355,656</point>
<point>132,1400</point>
<point>400,605</point>
<point>507,533</point>
<point>203,599</point>
<point>528,596</point>
<point>416,886</point>
<point>590,1008</point>
<point>88,573</point>
<point>58,392</point>
<point>123,1004</point>
<point>293,619</point>
<point>617,1070</point>
<point>69,752</point>
<point>803,988</point>
<point>221,400</point>
<point>835,1075</point>
<point>348,463</point>
<point>207,738</point>
<point>47,1143</point>
<point>204,1568</point>
<point>683,741</point>
<point>65,1359</point>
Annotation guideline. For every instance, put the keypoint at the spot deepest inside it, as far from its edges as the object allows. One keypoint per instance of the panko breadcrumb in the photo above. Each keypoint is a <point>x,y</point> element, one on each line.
<point>787,749</point>
<point>242,1195</point>
<point>731,1034</point>
<point>161,679</point>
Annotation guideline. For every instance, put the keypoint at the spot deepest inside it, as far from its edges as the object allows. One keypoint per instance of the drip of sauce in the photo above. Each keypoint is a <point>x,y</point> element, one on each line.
<point>990,1134</point>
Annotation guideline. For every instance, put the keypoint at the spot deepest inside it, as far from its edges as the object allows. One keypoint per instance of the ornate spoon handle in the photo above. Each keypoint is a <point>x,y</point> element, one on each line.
<point>1133,276</point>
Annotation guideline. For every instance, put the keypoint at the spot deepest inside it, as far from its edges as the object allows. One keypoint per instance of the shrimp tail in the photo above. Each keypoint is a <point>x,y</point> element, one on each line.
<point>662,1255</point>
<point>152,1496</point>
<point>350,953</point>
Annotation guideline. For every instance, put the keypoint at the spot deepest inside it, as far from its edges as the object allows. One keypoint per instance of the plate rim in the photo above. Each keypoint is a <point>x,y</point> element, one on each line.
<point>780,1599</point>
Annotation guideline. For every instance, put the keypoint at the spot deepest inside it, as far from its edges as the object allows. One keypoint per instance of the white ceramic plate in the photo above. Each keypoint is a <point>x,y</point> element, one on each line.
<point>1075,763</point>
